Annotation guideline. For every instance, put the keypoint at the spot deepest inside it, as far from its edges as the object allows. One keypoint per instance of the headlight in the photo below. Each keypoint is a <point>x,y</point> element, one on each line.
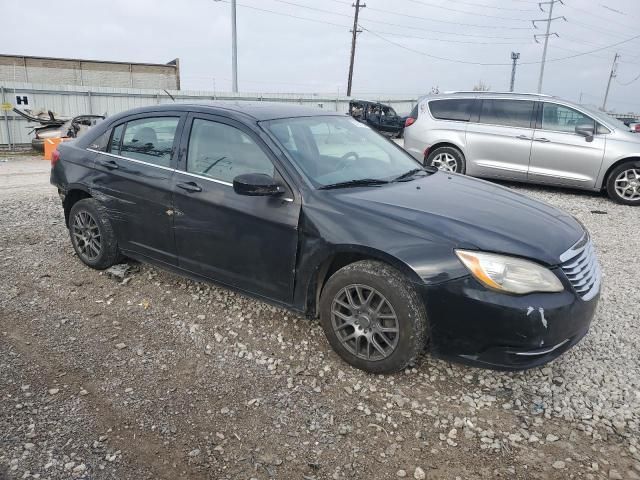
<point>509,274</point>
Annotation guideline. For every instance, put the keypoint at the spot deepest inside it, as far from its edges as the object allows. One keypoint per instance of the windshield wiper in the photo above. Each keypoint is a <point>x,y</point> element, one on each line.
<point>361,182</point>
<point>407,175</point>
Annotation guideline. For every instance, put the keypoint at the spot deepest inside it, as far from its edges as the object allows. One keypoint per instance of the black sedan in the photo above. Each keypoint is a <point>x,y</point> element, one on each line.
<point>318,213</point>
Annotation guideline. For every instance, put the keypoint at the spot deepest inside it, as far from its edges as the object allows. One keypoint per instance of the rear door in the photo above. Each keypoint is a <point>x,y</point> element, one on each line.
<point>559,156</point>
<point>133,182</point>
<point>243,241</point>
<point>499,140</point>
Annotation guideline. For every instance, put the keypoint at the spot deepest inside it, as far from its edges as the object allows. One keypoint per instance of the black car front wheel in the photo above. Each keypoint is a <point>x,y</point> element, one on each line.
<point>92,235</point>
<point>373,317</point>
<point>623,184</point>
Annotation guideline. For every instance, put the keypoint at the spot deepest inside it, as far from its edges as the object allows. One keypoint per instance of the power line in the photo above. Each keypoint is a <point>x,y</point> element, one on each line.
<point>626,84</point>
<point>459,24</point>
<point>286,14</point>
<point>416,17</point>
<point>494,64</point>
<point>599,17</point>
<point>475,14</point>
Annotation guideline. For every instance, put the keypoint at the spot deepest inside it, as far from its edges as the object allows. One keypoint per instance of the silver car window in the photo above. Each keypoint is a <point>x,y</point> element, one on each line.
<point>562,119</point>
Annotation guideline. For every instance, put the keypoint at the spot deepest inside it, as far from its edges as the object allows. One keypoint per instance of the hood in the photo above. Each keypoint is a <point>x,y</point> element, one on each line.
<point>472,214</point>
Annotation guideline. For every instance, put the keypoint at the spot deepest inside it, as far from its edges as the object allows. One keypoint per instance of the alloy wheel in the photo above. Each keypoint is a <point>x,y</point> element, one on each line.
<point>627,184</point>
<point>365,322</point>
<point>86,235</point>
<point>446,162</point>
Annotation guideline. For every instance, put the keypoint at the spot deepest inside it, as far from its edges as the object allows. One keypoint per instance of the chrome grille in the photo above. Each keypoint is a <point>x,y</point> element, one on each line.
<point>581,267</point>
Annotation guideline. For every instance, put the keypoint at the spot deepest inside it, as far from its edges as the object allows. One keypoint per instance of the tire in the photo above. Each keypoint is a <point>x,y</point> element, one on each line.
<point>88,220</point>
<point>402,301</point>
<point>616,183</point>
<point>448,159</point>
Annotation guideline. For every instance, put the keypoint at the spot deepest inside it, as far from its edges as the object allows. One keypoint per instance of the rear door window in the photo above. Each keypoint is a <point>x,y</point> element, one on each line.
<point>454,109</point>
<point>150,140</point>
<point>508,113</point>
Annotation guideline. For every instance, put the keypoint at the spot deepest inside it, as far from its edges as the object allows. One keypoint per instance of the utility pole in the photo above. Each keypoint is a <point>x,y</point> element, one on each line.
<point>234,48</point>
<point>546,36</point>
<point>614,68</point>
<point>354,34</point>
<point>514,56</point>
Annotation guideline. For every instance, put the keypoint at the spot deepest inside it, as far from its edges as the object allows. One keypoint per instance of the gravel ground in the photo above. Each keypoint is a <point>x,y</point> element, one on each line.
<point>155,376</point>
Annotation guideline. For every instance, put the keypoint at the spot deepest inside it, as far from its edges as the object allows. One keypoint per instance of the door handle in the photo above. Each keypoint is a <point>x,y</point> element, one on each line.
<point>110,164</point>
<point>523,137</point>
<point>189,186</point>
<point>542,139</point>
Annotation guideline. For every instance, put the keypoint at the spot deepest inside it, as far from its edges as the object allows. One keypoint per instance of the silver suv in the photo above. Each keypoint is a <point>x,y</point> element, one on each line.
<point>527,138</point>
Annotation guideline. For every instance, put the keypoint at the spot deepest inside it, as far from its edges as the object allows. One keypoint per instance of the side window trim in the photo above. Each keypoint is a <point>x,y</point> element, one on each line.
<point>181,115</point>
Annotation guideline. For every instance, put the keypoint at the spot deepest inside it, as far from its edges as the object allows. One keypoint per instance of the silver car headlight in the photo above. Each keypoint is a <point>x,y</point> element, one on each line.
<point>509,274</point>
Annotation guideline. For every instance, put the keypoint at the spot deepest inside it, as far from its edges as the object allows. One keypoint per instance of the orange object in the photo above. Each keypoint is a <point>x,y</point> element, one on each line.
<point>50,144</point>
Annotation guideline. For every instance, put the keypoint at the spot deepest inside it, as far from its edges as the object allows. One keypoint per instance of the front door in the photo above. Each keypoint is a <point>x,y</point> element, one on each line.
<point>243,241</point>
<point>499,143</point>
<point>133,182</point>
<point>559,156</point>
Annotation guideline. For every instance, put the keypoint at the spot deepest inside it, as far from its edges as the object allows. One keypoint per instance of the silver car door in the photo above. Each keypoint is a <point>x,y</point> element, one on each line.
<point>499,142</point>
<point>559,155</point>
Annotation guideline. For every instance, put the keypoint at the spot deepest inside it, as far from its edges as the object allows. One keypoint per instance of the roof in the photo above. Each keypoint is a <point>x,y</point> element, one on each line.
<point>472,94</point>
<point>257,110</point>
<point>173,63</point>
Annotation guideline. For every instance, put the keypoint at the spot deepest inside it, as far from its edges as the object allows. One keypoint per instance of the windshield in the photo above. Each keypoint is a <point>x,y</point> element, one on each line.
<point>330,150</point>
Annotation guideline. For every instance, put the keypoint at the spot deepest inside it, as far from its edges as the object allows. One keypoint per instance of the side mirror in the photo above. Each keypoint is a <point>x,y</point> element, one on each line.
<point>256,185</point>
<point>586,130</point>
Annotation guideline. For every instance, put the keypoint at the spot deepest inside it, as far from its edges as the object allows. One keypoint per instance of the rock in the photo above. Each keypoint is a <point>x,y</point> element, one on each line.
<point>121,345</point>
<point>558,465</point>
<point>118,271</point>
<point>79,468</point>
<point>614,475</point>
<point>551,438</point>
<point>29,446</point>
<point>401,473</point>
<point>83,392</point>
<point>53,391</point>
<point>419,474</point>
<point>195,452</point>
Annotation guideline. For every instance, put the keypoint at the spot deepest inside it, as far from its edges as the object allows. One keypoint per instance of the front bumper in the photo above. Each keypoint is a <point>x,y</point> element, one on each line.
<point>473,325</point>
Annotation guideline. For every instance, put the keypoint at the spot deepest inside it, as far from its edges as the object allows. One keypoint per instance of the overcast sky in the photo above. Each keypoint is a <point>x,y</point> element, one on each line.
<point>395,52</point>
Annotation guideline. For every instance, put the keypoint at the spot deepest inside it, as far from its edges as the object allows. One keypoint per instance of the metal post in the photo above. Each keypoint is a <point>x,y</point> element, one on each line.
<point>611,76</point>
<point>89,102</point>
<point>6,120</point>
<point>234,48</point>
<point>514,56</point>
<point>354,34</point>
<point>546,43</point>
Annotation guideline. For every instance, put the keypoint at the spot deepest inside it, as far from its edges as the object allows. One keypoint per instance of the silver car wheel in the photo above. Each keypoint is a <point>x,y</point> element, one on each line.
<point>446,162</point>
<point>628,184</point>
<point>365,322</point>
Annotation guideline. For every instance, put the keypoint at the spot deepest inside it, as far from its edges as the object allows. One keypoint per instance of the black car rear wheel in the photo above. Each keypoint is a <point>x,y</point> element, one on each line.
<point>447,159</point>
<point>372,317</point>
<point>92,236</point>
